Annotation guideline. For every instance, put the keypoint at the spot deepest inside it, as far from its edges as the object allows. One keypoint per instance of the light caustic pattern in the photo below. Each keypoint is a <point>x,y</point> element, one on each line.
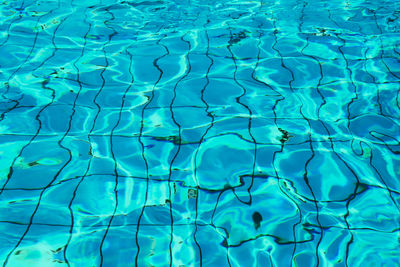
<point>200,133</point>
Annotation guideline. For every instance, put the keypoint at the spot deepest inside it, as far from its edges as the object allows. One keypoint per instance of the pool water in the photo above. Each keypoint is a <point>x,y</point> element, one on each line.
<point>199,133</point>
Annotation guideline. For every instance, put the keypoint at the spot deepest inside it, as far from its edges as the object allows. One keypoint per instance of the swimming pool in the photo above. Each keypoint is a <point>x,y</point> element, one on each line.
<point>199,133</point>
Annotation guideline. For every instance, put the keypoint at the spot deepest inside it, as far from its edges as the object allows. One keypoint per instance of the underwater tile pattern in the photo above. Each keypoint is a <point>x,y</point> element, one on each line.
<point>199,133</point>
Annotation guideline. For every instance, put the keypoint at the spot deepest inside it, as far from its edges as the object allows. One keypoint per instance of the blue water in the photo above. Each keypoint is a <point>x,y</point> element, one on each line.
<point>199,133</point>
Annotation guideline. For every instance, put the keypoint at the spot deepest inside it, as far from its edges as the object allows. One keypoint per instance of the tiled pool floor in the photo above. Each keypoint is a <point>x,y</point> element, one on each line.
<point>199,133</point>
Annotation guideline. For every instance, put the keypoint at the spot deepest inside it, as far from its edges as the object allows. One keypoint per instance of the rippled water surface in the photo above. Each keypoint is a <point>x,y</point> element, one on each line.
<point>199,133</point>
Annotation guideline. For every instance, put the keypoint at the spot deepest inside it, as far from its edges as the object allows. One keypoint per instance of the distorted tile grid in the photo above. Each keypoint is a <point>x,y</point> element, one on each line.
<point>199,133</point>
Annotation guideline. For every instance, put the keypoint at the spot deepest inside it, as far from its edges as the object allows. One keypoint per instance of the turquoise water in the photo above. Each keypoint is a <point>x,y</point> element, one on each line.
<point>199,133</point>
